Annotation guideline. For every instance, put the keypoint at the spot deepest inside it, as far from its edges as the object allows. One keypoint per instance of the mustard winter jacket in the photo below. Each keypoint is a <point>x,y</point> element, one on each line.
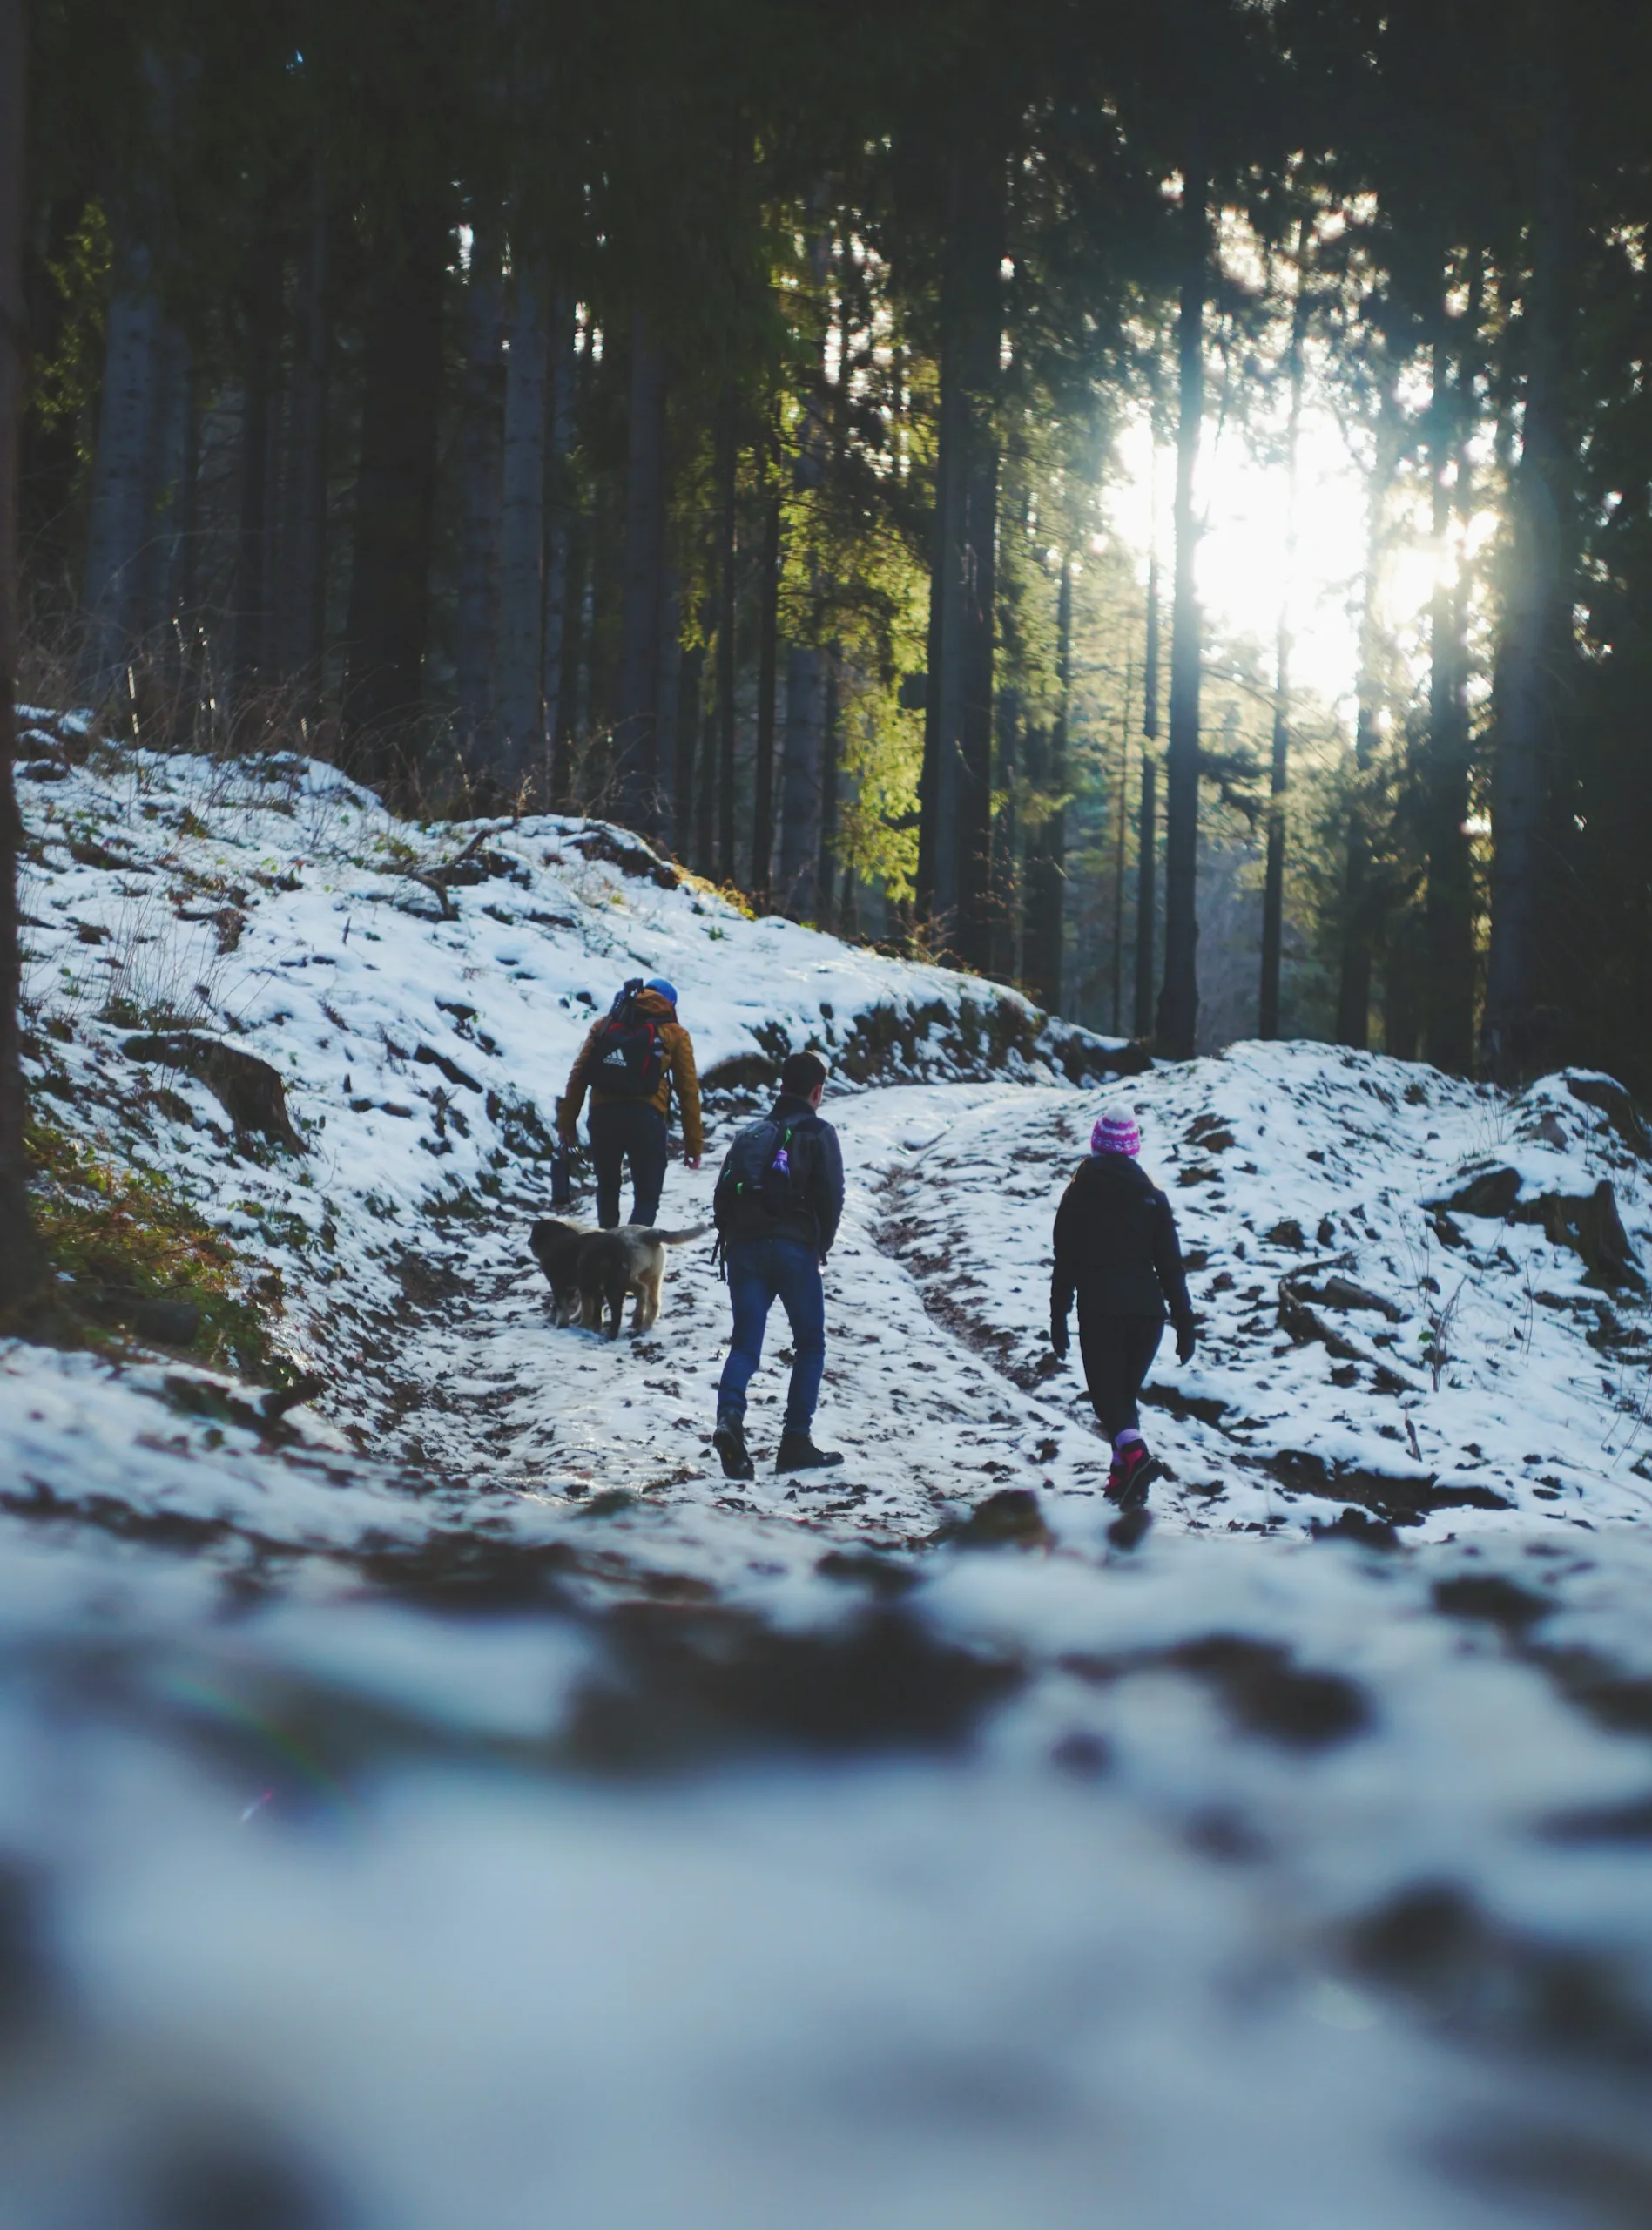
<point>679,1069</point>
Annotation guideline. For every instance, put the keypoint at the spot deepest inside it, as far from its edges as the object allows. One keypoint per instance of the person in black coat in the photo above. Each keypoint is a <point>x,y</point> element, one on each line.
<point>778,1205</point>
<point>1116,1247</point>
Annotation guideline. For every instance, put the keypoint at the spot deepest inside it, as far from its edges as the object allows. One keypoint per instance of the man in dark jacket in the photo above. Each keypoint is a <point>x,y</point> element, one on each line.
<point>778,1199</point>
<point>1115,1245</point>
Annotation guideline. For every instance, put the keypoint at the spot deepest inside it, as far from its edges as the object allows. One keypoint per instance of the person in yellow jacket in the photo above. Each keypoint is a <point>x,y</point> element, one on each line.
<point>628,1063</point>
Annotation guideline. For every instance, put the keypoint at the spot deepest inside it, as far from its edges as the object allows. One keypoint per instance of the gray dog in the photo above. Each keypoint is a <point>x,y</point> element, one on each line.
<point>556,1248</point>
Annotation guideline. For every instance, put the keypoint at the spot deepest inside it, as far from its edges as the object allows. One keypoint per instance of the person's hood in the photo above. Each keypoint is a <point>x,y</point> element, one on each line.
<point>1113,1169</point>
<point>657,1008</point>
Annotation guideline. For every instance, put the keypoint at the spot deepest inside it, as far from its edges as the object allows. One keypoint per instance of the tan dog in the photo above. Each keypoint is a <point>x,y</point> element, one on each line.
<point>631,1260</point>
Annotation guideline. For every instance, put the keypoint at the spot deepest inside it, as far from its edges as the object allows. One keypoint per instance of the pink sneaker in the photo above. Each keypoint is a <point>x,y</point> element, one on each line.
<point>1131,1474</point>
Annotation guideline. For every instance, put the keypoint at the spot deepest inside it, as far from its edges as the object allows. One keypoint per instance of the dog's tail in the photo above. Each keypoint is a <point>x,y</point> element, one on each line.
<point>680,1238</point>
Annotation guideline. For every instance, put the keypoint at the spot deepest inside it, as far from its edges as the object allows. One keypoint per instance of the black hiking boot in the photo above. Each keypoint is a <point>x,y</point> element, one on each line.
<point>798,1453</point>
<point>729,1440</point>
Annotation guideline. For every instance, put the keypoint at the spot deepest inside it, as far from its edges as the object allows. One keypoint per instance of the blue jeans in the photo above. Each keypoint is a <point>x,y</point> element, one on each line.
<point>761,1272</point>
<point>622,1131</point>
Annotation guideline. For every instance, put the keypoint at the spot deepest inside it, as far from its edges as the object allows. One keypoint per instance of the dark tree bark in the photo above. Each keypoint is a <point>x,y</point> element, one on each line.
<point>1533,655</point>
<point>575,653</point>
<point>1279,774</point>
<point>637,712</point>
<point>668,704</point>
<point>727,468</point>
<point>1147,817</point>
<point>805,721</point>
<point>1353,986</point>
<point>250,592</point>
<point>1124,812</point>
<point>388,620</point>
<point>302,600</point>
<point>955,829</point>
<point>1358,922</point>
<point>1044,936</point>
<point>22,1262</point>
<point>119,528</point>
<point>482,470</point>
<point>1147,840</point>
<point>803,761</point>
<point>559,511</point>
<point>691,760</point>
<point>1449,1000</point>
<point>161,568</point>
<point>767,662</point>
<point>1178,1013</point>
<point>521,528</point>
<point>1011,755</point>
<point>829,773</point>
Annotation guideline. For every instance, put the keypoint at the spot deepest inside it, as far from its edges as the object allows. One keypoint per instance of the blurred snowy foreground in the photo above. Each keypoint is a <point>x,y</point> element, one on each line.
<point>448,1802</point>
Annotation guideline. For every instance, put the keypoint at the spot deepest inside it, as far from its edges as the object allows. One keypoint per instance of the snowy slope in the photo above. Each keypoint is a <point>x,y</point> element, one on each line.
<point>454,1802</point>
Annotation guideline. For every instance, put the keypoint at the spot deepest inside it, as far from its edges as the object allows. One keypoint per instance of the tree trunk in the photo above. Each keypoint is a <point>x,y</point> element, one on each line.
<point>522,530</point>
<point>727,468</point>
<point>481,469</point>
<point>161,571</point>
<point>1147,841</point>
<point>1359,926</point>
<point>1043,944</point>
<point>559,499</point>
<point>1449,974</point>
<point>119,524</point>
<point>975,935</point>
<point>576,622</point>
<point>1273,884</point>
<point>706,753</point>
<point>1147,818</point>
<point>301,603</point>
<point>249,593</point>
<point>1353,988</point>
<point>1124,812</point>
<point>805,723</point>
<point>826,911</point>
<point>1178,1014</point>
<point>955,829</point>
<point>767,660</point>
<point>22,1262</point>
<point>637,723</point>
<point>1011,749</point>
<point>388,620</point>
<point>690,759</point>
<point>937,783</point>
<point>1535,650</point>
<point>668,684</point>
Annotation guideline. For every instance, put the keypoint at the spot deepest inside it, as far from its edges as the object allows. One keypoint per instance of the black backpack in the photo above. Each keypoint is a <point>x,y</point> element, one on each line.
<point>630,1051</point>
<point>766,1178</point>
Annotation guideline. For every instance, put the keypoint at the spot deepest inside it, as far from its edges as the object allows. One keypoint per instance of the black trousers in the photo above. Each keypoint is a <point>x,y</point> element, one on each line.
<point>623,1131</point>
<point>1118,1352</point>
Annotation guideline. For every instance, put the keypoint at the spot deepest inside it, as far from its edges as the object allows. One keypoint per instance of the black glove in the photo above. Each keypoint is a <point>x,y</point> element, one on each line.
<point>1186,1339</point>
<point>1058,1338</point>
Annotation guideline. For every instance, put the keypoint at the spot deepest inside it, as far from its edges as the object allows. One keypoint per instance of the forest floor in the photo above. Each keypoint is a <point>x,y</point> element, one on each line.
<point>452,1801</point>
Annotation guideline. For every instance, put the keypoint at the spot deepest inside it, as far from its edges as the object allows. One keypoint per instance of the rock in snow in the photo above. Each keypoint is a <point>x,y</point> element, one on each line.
<point>434,1794</point>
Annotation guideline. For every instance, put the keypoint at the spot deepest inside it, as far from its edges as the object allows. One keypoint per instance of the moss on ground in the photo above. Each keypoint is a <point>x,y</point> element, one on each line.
<point>112,1229</point>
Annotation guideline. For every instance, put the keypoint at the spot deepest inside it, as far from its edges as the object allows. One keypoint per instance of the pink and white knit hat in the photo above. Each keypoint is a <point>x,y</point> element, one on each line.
<point>1115,1135</point>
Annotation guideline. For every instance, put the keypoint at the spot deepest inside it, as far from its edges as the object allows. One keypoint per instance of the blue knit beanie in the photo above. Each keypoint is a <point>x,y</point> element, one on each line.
<point>667,991</point>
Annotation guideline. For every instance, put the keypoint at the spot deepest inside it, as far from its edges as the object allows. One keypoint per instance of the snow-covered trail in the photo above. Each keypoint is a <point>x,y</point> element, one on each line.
<point>939,1387</point>
<point>458,1803</point>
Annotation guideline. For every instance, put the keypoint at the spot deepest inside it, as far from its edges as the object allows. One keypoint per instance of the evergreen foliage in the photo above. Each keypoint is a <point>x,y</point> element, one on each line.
<point>847,323</point>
